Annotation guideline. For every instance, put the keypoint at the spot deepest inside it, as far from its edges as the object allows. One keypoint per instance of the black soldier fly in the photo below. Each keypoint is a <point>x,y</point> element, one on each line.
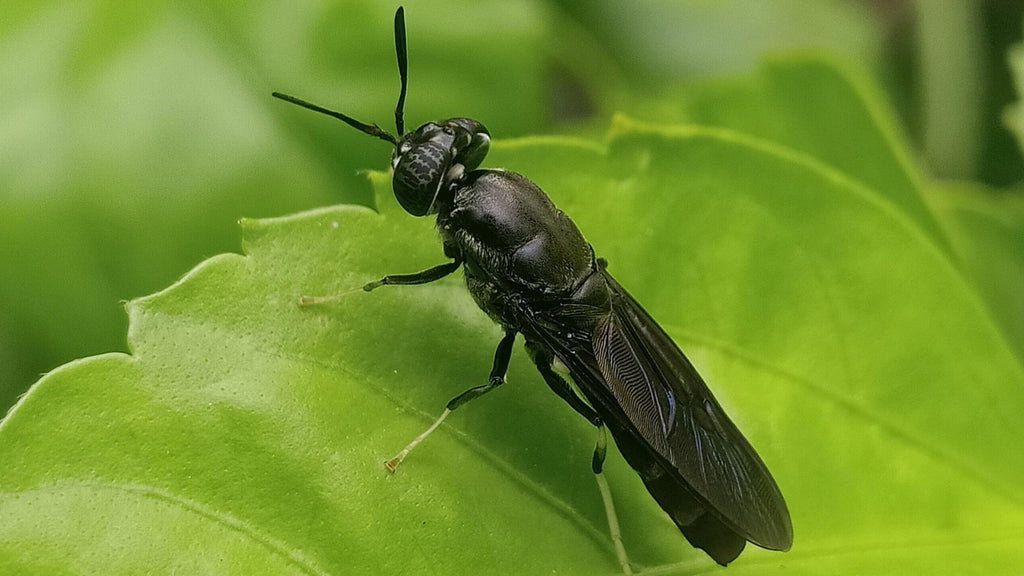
<point>529,268</point>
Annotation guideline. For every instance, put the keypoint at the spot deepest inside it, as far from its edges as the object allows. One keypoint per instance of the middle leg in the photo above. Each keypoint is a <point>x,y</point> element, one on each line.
<point>502,356</point>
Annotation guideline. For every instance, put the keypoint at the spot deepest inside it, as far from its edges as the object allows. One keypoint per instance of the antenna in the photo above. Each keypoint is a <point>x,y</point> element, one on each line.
<point>403,67</point>
<point>403,71</point>
<point>371,129</point>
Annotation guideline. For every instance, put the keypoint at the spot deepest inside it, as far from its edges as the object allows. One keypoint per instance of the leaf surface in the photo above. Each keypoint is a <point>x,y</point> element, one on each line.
<point>245,434</point>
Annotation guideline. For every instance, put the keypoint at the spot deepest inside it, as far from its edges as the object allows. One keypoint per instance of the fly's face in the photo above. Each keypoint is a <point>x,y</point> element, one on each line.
<point>427,160</point>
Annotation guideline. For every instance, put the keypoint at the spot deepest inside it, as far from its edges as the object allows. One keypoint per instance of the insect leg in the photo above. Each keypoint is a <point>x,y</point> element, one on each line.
<point>422,277</point>
<point>543,359</point>
<point>502,355</point>
<point>501,359</point>
<point>597,464</point>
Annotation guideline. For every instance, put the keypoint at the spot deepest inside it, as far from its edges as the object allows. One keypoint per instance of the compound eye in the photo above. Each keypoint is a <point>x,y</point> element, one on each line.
<point>419,175</point>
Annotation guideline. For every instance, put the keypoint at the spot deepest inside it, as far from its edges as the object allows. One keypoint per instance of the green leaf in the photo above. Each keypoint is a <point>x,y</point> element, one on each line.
<point>986,227</point>
<point>1013,116</point>
<point>245,434</point>
<point>825,109</point>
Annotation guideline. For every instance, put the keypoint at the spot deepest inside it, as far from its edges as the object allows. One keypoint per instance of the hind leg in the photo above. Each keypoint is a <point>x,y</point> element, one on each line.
<point>544,359</point>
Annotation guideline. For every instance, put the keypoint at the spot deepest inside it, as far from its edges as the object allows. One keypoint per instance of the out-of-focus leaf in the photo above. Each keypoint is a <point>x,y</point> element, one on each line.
<point>668,39</point>
<point>987,230</point>
<point>636,56</point>
<point>825,110</point>
<point>950,52</point>
<point>1013,117</point>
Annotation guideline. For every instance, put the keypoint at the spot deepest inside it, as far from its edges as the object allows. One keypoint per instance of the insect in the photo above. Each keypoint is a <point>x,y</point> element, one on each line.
<point>530,269</point>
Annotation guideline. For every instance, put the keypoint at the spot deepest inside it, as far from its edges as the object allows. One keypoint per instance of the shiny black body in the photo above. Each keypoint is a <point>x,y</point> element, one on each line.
<point>528,266</point>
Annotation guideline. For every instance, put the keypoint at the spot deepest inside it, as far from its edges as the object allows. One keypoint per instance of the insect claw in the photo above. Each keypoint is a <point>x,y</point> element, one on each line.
<point>310,300</point>
<point>392,464</point>
<point>370,286</point>
<point>315,300</point>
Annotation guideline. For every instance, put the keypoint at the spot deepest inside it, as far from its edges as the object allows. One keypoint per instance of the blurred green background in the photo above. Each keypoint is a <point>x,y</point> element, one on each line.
<point>133,136</point>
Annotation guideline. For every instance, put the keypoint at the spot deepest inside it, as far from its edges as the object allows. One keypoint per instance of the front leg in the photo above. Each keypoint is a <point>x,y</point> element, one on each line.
<point>451,250</point>
<point>423,277</point>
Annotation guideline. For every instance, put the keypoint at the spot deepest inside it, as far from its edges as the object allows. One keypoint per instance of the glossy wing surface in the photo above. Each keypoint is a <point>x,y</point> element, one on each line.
<point>672,408</point>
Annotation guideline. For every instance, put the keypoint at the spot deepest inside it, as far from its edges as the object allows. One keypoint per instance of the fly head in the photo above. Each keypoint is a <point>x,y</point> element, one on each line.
<point>427,160</point>
<point>430,159</point>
